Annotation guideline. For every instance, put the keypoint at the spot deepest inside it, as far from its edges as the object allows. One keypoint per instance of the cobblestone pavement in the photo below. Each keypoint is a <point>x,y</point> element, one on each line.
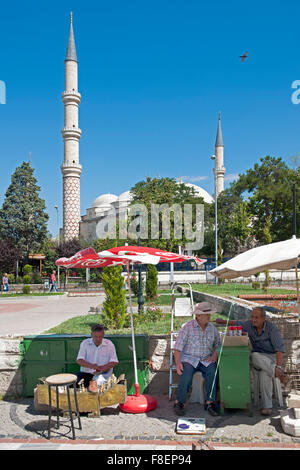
<point>19,420</point>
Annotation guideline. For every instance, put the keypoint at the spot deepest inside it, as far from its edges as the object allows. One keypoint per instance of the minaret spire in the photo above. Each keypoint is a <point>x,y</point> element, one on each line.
<point>71,168</point>
<point>219,138</point>
<point>219,169</point>
<point>71,49</point>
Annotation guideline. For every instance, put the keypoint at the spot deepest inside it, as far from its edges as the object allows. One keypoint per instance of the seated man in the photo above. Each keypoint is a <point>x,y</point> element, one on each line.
<point>196,350</point>
<point>97,358</point>
<point>266,355</point>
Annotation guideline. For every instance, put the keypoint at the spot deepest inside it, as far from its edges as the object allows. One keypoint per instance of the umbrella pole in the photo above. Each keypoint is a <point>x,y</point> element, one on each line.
<point>297,287</point>
<point>137,387</point>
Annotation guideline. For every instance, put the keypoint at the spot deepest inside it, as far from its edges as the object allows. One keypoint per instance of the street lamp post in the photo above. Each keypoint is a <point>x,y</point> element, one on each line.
<point>294,210</point>
<point>58,275</point>
<point>56,207</point>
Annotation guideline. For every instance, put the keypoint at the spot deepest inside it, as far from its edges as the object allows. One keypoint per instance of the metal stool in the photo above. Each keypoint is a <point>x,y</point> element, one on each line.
<point>63,380</point>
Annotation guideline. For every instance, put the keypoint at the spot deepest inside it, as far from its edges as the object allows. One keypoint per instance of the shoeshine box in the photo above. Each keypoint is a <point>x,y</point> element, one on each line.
<point>235,341</point>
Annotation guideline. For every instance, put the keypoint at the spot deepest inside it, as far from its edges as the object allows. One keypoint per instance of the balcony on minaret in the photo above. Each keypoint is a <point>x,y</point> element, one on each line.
<point>71,133</point>
<point>71,96</point>
<point>71,169</point>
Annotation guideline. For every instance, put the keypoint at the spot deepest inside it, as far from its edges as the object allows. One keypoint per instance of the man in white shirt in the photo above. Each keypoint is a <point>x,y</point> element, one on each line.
<point>97,357</point>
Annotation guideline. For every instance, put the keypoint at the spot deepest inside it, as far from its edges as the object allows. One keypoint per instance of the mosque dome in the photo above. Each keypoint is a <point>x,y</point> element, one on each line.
<point>126,196</point>
<point>201,192</point>
<point>104,200</point>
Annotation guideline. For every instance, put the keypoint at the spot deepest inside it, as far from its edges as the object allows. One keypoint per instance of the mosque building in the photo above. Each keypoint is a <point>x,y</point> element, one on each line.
<point>87,226</point>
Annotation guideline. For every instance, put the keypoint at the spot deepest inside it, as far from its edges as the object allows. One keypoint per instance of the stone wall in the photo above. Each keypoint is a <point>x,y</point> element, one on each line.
<point>10,375</point>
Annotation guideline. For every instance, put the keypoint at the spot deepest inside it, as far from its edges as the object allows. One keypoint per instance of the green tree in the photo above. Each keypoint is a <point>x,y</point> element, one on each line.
<point>9,254</point>
<point>114,306</point>
<point>167,191</point>
<point>268,190</point>
<point>239,227</point>
<point>51,255</point>
<point>23,218</point>
<point>151,282</point>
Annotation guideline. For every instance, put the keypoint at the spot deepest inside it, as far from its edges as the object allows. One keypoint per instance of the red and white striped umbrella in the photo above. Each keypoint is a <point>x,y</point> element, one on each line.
<point>121,255</point>
<point>88,258</point>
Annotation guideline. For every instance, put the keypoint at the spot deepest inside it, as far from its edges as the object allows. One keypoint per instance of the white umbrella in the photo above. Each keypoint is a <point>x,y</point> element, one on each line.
<point>280,255</point>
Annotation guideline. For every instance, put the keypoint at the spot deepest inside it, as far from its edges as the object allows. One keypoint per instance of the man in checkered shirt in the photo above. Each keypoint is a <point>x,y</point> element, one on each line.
<point>196,350</point>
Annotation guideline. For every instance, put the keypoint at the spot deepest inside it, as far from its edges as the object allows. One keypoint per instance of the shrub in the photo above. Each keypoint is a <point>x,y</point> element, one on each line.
<point>153,314</point>
<point>26,289</point>
<point>19,280</point>
<point>256,285</point>
<point>151,283</point>
<point>134,284</point>
<point>114,306</point>
<point>27,279</point>
<point>27,269</point>
<point>37,278</point>
<point>11,278</point>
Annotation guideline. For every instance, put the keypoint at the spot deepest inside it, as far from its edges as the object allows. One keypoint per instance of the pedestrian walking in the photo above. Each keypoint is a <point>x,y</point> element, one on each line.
<point>53,282</point>
<point>5,283</point>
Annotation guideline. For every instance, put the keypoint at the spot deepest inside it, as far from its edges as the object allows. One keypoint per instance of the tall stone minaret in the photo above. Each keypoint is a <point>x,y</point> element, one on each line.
<point>219,169</point>
<point>71,168</point>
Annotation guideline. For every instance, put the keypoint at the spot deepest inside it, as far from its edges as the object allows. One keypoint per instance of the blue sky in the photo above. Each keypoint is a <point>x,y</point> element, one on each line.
<point>153,76</point>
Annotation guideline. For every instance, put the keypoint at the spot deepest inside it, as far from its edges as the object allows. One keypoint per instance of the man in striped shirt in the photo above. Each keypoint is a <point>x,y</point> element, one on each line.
<point>266,355</point>
<point>196,350</point>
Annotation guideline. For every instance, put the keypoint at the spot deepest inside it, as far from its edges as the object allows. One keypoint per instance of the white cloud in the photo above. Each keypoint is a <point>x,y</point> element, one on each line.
<point>231,177</point>
<point>192,179</point>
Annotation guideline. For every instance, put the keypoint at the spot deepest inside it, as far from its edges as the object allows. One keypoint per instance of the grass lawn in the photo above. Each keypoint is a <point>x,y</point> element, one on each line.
<point>82,325</point>
<point>236,289</point>
<point>163,299</point>
<point>33,294</point>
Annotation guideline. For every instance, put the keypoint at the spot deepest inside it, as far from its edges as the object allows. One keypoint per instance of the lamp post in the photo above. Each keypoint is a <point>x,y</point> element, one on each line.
<point>294,210</point>
<point>56,207</point>
<point>213,157</point>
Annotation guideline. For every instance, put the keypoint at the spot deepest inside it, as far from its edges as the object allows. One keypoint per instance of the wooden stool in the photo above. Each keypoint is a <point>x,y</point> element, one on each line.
<point>63,380</point>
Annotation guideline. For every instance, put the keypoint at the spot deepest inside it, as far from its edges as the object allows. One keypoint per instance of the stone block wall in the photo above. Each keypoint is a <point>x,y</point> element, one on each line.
<point>10,375</point>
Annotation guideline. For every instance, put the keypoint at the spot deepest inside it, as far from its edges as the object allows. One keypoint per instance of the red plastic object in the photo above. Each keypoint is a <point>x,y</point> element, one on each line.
<point>138,403</point>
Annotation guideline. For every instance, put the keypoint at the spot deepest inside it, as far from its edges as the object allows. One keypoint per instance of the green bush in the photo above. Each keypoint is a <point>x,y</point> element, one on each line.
<point>27,279</point>
<point>153,314</point>
<point>134,284</point>
<point>19,280</point>
<point>27,269</point>
<point>37,278</point>
<point>11,278</point>
<point>256,285</point>
<point>114,306</point>
<point>26,289</point>
<point>151,283</point>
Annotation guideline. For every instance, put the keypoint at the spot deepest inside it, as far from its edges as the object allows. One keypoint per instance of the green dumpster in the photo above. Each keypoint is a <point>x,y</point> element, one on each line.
<point>45,355</point>
<point>234,378</point>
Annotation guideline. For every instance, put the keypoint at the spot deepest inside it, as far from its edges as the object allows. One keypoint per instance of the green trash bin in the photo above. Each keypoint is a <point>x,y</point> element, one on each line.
<point>234,378</point>
<point>42,356</point>
<point>45,355</point>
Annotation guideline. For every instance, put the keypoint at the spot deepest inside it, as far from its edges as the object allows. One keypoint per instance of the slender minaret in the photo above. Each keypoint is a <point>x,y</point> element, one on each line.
<point>71,168</point>
<point>219,169</point>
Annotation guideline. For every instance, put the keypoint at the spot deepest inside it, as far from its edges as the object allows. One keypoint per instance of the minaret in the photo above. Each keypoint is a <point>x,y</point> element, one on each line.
<point>71,168</point>
<point>219,169</point>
